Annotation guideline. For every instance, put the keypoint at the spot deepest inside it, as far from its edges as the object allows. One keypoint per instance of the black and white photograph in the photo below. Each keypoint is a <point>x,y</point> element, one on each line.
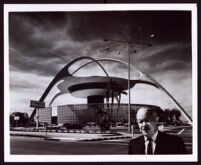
<point>100,82</point>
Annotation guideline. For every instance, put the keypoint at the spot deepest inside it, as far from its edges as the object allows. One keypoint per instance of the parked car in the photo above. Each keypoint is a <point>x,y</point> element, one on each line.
<point>91,124</point>
<point>72,126</point>
<point>113,124</point>
<point>55,127</point>
<point>119,124</point>
<point>52,127</point>
<point>125,124</point>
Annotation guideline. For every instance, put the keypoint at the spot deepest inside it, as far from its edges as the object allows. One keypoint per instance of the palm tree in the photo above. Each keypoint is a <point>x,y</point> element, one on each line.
<point>177,114</point>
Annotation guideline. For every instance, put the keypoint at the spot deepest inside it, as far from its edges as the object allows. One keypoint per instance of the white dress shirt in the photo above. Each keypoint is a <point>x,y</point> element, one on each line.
<point>153,142</point>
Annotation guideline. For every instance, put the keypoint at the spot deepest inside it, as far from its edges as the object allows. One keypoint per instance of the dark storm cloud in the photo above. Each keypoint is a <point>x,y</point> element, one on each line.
<point>24,26</point>
<point>168,26</point>
<point>32,39</point>
<point>26,85</point>
<point>43,42</point>
<point>37,65</point>
<point>175,57</point>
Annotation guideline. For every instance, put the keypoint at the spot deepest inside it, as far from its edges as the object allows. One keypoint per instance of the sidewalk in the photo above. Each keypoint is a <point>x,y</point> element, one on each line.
<point>80,135</point>
<point>71,136</point>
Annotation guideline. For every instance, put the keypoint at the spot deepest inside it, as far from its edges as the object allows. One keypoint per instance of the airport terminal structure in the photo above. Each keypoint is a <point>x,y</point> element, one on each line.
<point>100,92</point>
<point>84,113</point>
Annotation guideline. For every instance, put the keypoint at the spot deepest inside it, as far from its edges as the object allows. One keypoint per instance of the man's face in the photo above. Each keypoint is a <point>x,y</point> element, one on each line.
<point>147,122</point>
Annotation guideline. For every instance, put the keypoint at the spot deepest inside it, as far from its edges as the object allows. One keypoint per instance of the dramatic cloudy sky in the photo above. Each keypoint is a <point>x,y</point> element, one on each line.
<point>41,43</point>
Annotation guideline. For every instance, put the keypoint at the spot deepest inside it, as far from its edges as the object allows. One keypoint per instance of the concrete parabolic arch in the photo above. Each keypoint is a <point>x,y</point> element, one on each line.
<point>63,73</point>
<point>152,79</point>
<point>99,60</point>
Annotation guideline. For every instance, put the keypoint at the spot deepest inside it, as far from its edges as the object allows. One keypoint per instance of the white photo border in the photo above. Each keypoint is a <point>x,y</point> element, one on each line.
<point>100,7</point>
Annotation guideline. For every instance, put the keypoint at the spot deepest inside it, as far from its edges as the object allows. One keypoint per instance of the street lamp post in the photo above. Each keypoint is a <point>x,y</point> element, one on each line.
<point>128,42</point>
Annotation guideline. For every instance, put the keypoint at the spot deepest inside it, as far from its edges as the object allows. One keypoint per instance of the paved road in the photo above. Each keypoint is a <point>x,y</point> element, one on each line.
<point>39,146</point>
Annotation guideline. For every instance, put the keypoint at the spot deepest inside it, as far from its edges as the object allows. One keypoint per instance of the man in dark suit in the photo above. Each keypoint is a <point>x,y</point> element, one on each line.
<point>154,141</point>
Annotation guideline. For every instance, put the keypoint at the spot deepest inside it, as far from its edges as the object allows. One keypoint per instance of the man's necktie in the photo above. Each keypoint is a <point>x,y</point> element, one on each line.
<point>149,147</point>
